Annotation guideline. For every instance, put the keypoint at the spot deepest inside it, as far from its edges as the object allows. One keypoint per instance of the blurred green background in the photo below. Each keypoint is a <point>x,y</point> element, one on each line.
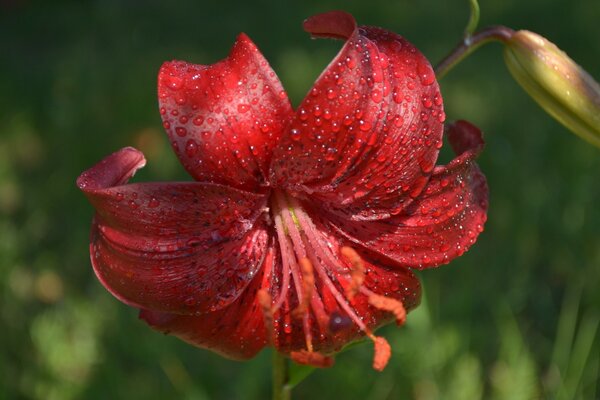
<point>514,318</point>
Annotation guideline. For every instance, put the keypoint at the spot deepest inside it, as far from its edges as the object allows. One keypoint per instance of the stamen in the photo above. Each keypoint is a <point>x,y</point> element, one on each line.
<point>389,304</point>
<point>357,275</point>
<point>308,283</point>
<point>287,256</point>
<point>310,358</point>
<point>264,300</point>
<point>295,251</point>
<point>306,257</point>
<point>383,352</point>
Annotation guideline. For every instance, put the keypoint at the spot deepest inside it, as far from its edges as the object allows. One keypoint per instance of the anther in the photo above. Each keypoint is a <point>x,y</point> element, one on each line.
<point>311,358</point>
<point>389,304</point>
<point>357,275</point>
<point>308,283</point>
<point>264,300</point>
<point>383,352</point>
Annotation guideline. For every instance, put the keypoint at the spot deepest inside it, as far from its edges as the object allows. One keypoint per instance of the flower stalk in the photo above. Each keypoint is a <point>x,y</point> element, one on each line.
<point>469,44</point>
<point>281,389</point>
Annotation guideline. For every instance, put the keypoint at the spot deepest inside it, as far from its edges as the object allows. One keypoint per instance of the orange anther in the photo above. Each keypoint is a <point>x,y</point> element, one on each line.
<point>389,304</point>
<point>383,352</point>
<point>311,358</point>
<point>264,300</point>
<point>308,283</point>
<point>357,275</point>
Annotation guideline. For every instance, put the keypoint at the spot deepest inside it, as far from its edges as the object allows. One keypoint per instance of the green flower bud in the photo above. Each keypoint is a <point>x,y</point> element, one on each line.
<point>556,83</point>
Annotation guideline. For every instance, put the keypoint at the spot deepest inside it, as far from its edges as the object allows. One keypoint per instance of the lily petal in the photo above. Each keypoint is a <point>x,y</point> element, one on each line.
<point>443,222</point>
<point>370,128</point>
<point>224,119</point>
<point>183,248</point>
<point>236,331</point>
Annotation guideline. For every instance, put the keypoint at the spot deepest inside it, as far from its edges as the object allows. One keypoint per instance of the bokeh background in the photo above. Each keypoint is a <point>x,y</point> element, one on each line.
<point>514,318</point>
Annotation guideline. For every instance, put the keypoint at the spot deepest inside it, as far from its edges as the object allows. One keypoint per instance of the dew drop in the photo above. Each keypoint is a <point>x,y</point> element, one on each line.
<point>303,114</point>
<point>364,125</point>
<point>376,95</point>
<point>350,62</point>
<point>243,108</point>
<point>181,132</point>
<point>174,82</point>
<point>295,134</point>
<point>191,148</point>
<point>287,328</point>
<point>198,120</point>
<point>425,73</point>
<point>153,203</point>
<point>331,154</point>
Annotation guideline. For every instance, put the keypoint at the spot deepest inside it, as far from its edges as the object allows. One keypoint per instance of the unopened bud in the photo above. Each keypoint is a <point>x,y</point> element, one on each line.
<point>556,82</point>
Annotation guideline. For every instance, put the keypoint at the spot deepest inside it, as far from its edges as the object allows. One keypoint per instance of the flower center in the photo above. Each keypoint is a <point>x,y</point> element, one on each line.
<point>308,262</point>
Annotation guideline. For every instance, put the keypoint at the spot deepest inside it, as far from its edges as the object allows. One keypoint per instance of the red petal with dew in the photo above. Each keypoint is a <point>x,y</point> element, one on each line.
<point>443,222</point>
<point>224,119</point>
<point>175,247</point>
<point>370,128</point>
<point>236,331</point>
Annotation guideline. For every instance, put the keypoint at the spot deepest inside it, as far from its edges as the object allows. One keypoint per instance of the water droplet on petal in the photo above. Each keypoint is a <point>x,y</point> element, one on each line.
<point>425,74</point>
<point>295,134</point>
<point>174,82</point>
<point>376,95</point>
<point>191,148</point>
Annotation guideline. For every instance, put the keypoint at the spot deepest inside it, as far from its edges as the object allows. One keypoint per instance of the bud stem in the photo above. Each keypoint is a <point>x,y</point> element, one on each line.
<point>469,44</point>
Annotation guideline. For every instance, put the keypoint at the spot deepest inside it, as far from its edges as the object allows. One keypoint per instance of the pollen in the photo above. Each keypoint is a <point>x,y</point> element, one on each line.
<point>308,283</point>
<point>357,275</point>
<point>311,358</point>
<point>383,352</point>
<point>389,304</point>
<point>264,300</point>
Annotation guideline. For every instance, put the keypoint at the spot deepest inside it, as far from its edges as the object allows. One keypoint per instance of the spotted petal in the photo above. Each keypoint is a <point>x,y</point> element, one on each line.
<point>174,247</point>
<point>369,129</point>
<point>224,119</point>
<point>442,223</point>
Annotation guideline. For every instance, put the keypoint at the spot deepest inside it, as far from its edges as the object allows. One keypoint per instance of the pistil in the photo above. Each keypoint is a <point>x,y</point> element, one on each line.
<point>306,260</point>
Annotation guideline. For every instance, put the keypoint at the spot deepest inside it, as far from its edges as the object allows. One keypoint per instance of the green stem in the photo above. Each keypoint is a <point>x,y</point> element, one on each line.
<point>473,18</point>
<point>281,389</point>
<point>469,44</point>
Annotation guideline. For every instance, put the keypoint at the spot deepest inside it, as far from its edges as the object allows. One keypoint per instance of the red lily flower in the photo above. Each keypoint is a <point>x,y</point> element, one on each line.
<point>302,226</point>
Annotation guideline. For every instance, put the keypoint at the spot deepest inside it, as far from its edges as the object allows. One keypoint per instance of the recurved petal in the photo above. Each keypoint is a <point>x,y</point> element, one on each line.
<point>224,119</point>
<point>181,248</point>
<point>370,128</point>
<point>236,331</point>
<point>442,222</point>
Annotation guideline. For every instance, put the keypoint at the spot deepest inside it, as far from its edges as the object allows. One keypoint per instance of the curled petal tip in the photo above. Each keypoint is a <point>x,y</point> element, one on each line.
<point>114,170</point>
<point>464,136</point>
<point>334,24</point>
